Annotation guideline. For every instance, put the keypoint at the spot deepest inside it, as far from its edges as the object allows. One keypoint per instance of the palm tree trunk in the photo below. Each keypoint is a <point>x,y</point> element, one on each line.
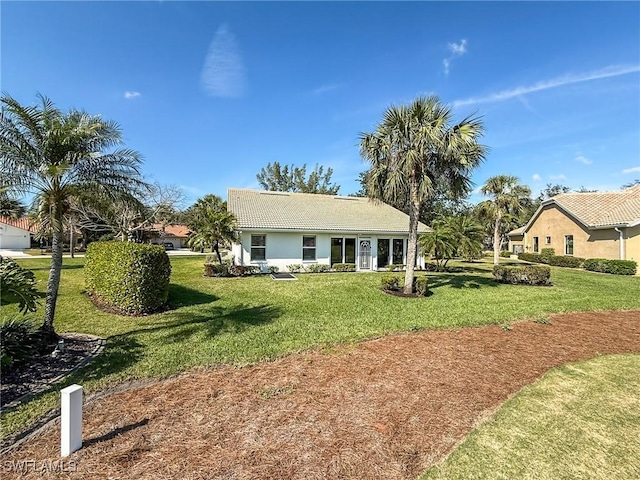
<point>53,284</point>
<point>72,250</point>
<point>412,247</point>
<point>496,241</point>
<point>216,248</point>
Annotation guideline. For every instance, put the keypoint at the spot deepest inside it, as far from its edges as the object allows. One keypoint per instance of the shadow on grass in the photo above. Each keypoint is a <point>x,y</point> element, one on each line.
<point>181,296</point>
<point>64,267</point>
<point>461,281</point>
<point>119,354</point>
<point>115,432</point>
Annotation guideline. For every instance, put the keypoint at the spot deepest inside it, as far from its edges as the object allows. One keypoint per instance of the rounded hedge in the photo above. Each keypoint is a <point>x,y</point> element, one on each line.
<point>132,277</point>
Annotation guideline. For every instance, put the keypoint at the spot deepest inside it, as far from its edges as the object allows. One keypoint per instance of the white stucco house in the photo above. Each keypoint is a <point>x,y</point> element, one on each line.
<point>281,228</point>
<point>15,234</point>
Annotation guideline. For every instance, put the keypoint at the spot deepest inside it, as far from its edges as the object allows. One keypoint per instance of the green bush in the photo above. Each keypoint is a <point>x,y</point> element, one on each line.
<point>18,341</point>
<point>390,282</point>
<point>560,261</point>
<point>530,257</point>
<point>344,267</point>
<point>295,268</point>
<point>273,269</point>
<point>522,274</point>
<point>17,285</point>
<point>505,254</point>
<point>615,267</point>
<point>421,285</point>
<point>546,254</point>
<point>216,270</point>
<point>318,268</point>
<point>395,267</point>
<point>395,283</point>
<point>132,277</point>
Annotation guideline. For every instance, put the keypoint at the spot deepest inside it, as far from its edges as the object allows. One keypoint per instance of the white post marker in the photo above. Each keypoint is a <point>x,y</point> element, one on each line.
<point>70,420</point>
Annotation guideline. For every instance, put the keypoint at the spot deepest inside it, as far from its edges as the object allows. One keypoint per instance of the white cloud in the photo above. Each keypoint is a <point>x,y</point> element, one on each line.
<point>130,94</point>
<point>607,72</point>
<point>557,177</point>
<point>223,73</point>
<point>631,170</point>
<point>536,177</point>
<point>584,160</point>
<point>457,50</point>
<point>326,88</point>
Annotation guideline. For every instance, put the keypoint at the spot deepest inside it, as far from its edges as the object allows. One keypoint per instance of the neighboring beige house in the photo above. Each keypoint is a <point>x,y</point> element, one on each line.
<point>587,225</point>
<point>280,229</point>
<point>177,235</point>
<point>15,234</point>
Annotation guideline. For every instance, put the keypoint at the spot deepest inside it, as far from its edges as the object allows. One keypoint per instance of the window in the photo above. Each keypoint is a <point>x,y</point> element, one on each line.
<point>383,252</point>
<point>336,250</point>
<point>548,240</point>
<point>258,248</point>
<point>568,244</point>
<point>398,251</point>
<point>349,250</point>
<point>536,246</point>
<point>308,248</point>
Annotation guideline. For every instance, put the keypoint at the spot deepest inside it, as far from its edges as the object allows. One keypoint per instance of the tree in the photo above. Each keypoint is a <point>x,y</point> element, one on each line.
<point>18,286</point>
<point>440,244</point>
<point>10,207</point>
<point>551,191</point>
<point>413,147</point>
<point>211,224</point>
<point>468,235</point>
<point>55,155</point>
<point>275,178</point>
<point>632,183</point>
<point>507,197</point>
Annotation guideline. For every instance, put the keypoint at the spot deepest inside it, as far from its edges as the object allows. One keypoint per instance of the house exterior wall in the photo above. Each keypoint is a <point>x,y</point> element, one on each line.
<point>14,238</point>
<point>516,243</point>
<point>554,223</point>
<point>285,248</point>
<point>632,244</point>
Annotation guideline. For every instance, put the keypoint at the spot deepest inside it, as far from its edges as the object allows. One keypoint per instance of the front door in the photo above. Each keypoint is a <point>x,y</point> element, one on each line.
<point>365,254</point>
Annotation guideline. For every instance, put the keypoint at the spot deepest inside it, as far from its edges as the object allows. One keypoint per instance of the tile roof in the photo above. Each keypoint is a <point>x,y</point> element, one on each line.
<point>172,230</point>
<point>602,209</point>
<point>264,210</point>
<point>24,223</point>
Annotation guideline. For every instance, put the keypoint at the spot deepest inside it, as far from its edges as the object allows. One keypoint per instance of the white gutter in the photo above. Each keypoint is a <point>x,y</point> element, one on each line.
<point>621,232</point>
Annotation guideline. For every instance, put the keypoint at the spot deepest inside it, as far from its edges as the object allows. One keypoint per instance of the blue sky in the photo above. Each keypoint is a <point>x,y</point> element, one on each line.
<point>210,92</point>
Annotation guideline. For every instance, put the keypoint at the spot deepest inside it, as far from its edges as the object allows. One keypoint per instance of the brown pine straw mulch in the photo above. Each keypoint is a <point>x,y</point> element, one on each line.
<point>384,409</point>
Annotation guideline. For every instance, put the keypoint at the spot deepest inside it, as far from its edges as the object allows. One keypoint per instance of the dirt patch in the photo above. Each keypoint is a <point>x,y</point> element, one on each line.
<point>387,408</point>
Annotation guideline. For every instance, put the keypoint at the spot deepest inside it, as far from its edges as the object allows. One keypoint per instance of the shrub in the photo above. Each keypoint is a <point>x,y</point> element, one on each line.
<point>395,267</point>
<point>318,268</point>
<point>615,267</point>
<point>505,254</point>
<point>216,270</point>
<point>560,261</point>
<point>295,268</point>
<point>17,285</point>
<point>430,267</point>
<point>273,269</point>
<point>421,285</point>
<point>344,267</point>
<point>530,257</point>
<point>390,282</point>
<point>132,277</point>
<point>522,274</point>
<point>18,341</point>
<point>546,254</point>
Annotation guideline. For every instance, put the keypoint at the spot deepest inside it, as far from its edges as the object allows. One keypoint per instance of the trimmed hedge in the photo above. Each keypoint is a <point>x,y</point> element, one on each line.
<point>546,254</point>
<point>530,257</point>
<point>295,268</point>
<point>344,267</point>
<point>505,254</point>
<point>317,268</point>
<point>615,267</point>
<point>396,283</point>
<point>132,277</point>
<point>560,261</point>
<point>522,274</point>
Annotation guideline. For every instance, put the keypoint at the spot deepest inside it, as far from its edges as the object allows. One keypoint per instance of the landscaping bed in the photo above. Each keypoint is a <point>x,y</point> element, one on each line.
<point>386,408</point>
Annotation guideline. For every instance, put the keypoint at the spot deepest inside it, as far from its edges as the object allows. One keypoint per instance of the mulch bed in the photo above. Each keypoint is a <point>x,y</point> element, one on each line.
<point>387,408</point>
<point>43,368</point>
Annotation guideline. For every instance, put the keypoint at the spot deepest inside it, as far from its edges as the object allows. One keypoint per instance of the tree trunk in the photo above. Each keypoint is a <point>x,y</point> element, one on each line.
<point>72,249</point>
<point>414,213</point>
<point>496,241</point>
<point>216,248</point>
<point>53,284</point>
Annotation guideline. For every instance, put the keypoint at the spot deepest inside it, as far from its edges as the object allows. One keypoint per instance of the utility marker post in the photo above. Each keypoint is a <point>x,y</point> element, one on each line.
<point>70,420</point>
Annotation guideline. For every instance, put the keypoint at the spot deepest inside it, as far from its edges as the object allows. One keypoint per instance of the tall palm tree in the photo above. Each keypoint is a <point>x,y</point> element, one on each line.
<point>54,155</point>
<point>211,223</point>
<point>468,235</point>
<point>414,147</point>
<point>507,199</point>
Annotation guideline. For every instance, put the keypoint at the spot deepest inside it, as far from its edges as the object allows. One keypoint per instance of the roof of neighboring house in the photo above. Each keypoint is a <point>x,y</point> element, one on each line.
<point>517,231</point>
<point>284,211</point>
<point>23,223</point>
<point>597,210</point>
<point>178,231</point>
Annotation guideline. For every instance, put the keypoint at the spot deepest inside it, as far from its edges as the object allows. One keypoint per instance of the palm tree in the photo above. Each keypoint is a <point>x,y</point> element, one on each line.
<point>10,207</point>
<point>211,223</point>
<point>54,155</point>
<point>507,199</point>
<point>414,147</point>
<point>468,235</point>
<point>440,243</point>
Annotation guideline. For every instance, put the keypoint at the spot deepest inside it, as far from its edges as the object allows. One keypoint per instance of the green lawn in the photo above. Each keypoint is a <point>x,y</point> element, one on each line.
<point>581,420</point>
<point>244,320</point>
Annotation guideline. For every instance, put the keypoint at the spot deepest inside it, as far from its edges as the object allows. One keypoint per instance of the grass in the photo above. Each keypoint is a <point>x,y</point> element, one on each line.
<point>581,420</point>
<point>245,320</point>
